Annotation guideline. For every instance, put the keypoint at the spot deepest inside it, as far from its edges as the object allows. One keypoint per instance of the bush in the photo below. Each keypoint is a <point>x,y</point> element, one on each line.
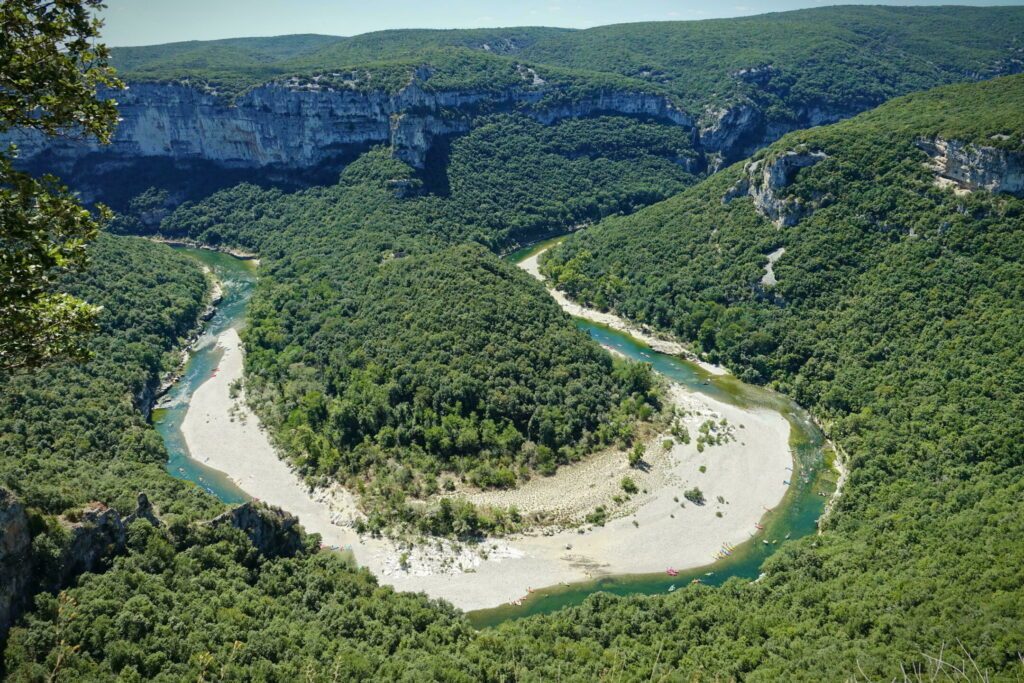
<point>694,495</point>
<point>636,456</point>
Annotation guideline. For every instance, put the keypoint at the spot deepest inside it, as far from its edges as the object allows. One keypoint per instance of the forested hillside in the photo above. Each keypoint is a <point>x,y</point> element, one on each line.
<point>509,180</point>
<point>204,116</point>
<point>237,62</point>
<point>74,433</point>
<point>385,356</point>
<point>185,600</point>
<point>843,57</point>
<point>872,269</point>
<point>893,318</point>
<point>765,74</point>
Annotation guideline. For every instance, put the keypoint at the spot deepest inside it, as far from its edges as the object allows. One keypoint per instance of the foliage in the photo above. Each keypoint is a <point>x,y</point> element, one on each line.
<point>204,606</point>
<point>71,433</point>
<point>511,177</point>
<point>50,67</point>
<point>893,320</point>
<point>506,180</point>
<point>694,495</point>
<point>232,65</point>
<point>636,455</point>
<point>384,353</point>
<point>836,57</point>
<point>788,63</point>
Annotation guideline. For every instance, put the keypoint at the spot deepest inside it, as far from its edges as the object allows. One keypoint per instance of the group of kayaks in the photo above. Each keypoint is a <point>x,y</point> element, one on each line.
<point>324,546</point>
<point>519,601</point>
<point>725,551</point>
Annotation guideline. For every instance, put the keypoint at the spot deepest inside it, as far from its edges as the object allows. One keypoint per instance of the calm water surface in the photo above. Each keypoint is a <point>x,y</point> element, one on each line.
<point>795,517</point>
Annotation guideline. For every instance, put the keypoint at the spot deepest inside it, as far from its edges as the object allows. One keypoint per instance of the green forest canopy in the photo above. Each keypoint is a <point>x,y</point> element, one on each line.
<point>385,351</point>
<point>72,433</point>
<point>898,325</point>
<point>841,57</point>
<point>894,319</point>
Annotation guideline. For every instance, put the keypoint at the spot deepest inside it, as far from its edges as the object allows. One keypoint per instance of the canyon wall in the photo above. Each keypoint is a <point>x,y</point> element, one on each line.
<point>975,167</point>
<point>289,126</point>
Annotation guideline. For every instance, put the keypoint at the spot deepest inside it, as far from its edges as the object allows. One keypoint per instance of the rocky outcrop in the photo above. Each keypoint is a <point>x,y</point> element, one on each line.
<point>143,510</point>
<point>145,398</point>
<point>88,539</point>
<point>273,532</point>
<point>95,535</point>
<point>731,133</point>
<point>763,180</point>
<point>15,560</point>
<point>726,132</point>
<point>967,166</point>
<point>301,124</point>
<point>768,279</point>
<point>405,187</point>
<point>91,537</point>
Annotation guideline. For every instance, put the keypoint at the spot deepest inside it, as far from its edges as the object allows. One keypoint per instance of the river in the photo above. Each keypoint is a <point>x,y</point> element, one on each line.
<point>237,278</point>
<point>811,483</point>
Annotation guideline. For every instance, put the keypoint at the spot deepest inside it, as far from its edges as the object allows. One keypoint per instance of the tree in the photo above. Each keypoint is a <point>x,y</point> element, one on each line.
<point>636,455</point>
<point>50,70</point>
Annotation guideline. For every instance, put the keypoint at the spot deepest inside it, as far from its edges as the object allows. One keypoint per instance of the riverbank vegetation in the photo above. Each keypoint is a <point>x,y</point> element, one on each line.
<point>384,348</point>
<point>387,351</point>
<point>72,433</point>
<point>893,320</point>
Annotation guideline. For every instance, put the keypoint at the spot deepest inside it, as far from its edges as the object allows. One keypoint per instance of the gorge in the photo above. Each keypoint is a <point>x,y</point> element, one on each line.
<point>460,411</point>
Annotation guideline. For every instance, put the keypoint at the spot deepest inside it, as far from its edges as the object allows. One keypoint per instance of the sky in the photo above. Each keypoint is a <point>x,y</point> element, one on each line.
<point>149,22</point>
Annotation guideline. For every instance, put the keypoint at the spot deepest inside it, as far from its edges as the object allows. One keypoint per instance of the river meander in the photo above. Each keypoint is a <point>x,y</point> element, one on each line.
<point>810,485</point>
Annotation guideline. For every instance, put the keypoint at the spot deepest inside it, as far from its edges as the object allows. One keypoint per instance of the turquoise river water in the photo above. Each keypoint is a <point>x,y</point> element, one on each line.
<point>811,483</point>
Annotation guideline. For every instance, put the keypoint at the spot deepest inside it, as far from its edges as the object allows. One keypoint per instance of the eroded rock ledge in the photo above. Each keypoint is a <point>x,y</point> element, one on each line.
<point>763,180</point>
<point>966,166</point>
<point>91,537</point>
<point>293,125</point>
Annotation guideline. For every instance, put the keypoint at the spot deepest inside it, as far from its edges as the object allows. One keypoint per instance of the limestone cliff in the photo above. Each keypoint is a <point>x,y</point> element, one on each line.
<point>88,539</point>
<point>764,180</point>
<point>15,560</point>
<point>271,530</point>
<point>94,535</point>
<point>296,125</point>
<point>975,167</point>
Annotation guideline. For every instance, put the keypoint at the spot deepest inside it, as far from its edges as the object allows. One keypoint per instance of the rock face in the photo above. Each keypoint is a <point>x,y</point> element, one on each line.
<point>274,532</point>
<point>91,537</point>
<point>738,131</point>
<point>316,126</point>
<point>143,510</point>
<point>763,179</point>
<point>288,125</point>
<point>975,167</point>
<point>94,535</point>
<point>730,130</point>
<point>98,535</point>
<point>15,560</point>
